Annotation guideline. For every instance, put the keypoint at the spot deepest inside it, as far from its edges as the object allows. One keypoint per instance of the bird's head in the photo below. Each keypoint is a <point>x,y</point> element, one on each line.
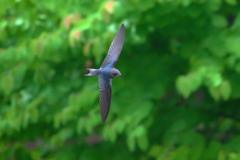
<point>114,73</point>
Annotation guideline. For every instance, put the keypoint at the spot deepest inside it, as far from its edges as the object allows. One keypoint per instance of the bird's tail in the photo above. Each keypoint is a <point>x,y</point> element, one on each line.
<point>93,72</point>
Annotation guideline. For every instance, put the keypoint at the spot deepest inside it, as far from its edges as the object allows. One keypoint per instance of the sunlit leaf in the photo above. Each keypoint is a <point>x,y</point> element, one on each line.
<point>231,2</point>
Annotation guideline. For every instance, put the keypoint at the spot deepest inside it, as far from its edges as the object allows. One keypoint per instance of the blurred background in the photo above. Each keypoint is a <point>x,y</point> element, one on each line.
<point>177,97</point>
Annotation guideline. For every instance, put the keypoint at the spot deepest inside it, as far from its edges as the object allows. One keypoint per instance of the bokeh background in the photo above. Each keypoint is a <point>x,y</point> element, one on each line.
<point>177,98</point>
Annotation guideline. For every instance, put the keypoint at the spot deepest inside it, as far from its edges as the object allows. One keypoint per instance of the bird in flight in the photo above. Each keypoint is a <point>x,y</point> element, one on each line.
<point>107,71</point>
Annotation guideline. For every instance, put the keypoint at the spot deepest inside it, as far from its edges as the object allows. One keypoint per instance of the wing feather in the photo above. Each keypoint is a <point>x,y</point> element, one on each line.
<point>105,85</point>
<point>115,48</point>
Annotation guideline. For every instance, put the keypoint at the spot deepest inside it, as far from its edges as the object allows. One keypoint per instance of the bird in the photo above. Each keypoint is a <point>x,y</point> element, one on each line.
<point>107,72</point>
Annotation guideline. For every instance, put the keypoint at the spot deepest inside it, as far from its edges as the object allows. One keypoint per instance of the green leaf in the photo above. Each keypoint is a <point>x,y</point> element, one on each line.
<point>225,89</point>
<point>18,22</point>
<point>84,24</point>
<point>3,24</point>
<point>212,150</point>
<point>221,91</point>
<point>120,126</point>
<point>236,23</point>
<point>186,2</point>
<point>155,150</point>
<point>183,86</point>
<point>35,155</point>
<point>143,142</point>
<point>195,79</point>
<point>214,91</point>
<point>65,133</point>
<point>145,5</point>
<point>232,44</point>
<point>180,153</point>
<point>131,142</point>
<point>87,96</point>
<point>214,79</point>
<point>234,156</point>
<point>216,45</point>
<point>112,134</point>
<point>178,126</point>
<point>226,124</point>
<point>88,126</point>
<point>7,83</point>
<point>139,131</point>
<point>214,5</point>
<point>231,2</point>
<point>222,155</point>
<point>219,21</point>
<point>80,125</point>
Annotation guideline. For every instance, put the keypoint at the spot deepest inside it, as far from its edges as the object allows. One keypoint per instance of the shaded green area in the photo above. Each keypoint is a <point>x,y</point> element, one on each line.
<point>177,98</point>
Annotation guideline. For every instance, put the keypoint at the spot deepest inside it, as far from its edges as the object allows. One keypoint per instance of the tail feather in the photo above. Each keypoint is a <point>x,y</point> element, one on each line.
<point>93,72</point>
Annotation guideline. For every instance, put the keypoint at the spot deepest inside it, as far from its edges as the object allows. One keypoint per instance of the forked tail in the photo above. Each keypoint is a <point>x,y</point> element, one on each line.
<point>93,72</point>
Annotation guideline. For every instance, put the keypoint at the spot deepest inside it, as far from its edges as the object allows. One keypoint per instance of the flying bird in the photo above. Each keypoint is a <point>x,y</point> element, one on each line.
<point>107,72</point>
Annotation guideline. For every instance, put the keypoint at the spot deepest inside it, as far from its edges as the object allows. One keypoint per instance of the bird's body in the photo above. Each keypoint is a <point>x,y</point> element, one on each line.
<point>107,71</point>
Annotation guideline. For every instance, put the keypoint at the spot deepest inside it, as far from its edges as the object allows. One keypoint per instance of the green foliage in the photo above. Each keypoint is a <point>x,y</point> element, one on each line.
<point>177,98</point>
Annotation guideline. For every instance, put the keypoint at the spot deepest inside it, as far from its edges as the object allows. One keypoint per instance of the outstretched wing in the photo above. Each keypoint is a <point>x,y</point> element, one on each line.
<point>115,48</point>
<point>105,85</point>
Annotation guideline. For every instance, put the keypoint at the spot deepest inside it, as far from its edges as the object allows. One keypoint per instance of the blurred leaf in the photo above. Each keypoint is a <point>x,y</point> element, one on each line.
<point>214,5</point>
<point>119,126</point>
<point>143,142</point>
<point>214,91</point>
<point>219,21</point>
<point>74,37</point>
<point>7,83</point>
<point>221,91</point>
<point>86,49</point>
<point>35,155</point>
<point>236,23</point>
<point>212,150</point>
<point>186,2</point>
<point>139,131</point>
<point>155,150</point>
<point>225,89</point>
<point>231,2</point>
<point>214,79</point>
<point>232,45</point>
<point>226,124</point>
<point>3,24</point>
<point>109,6</point>
<point>145,5</point>
<point>183,86</point>
<point>222,155</point>
<point>131,142</point>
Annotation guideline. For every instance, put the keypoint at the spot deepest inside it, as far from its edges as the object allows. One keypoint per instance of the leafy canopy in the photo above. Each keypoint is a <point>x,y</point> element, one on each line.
<point>177,98</point>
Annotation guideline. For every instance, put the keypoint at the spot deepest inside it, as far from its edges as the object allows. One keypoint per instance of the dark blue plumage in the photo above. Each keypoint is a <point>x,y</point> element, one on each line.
<point>107,71</point>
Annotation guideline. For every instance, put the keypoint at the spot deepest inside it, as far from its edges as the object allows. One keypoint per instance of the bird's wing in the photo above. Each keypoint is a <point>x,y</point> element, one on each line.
<point>105,85</point>
<point>115,48</point>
